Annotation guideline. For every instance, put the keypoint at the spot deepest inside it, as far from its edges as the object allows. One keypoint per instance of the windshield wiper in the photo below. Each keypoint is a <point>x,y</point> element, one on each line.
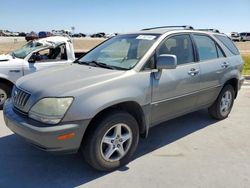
<point>95,64</point>
<point>99,64</point>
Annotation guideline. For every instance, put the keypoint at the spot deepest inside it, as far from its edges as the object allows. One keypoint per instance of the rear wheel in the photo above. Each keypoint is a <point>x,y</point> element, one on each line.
<point>5,92</point>
<point>112,141</point>
<point>224,103</point>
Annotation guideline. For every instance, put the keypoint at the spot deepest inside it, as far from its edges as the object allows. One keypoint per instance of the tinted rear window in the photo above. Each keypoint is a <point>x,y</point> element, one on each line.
<point>206,47</point>
<point>228,43</point>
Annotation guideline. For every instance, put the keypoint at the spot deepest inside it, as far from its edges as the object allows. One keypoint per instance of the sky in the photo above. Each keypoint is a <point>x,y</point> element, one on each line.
<point>90,16</point>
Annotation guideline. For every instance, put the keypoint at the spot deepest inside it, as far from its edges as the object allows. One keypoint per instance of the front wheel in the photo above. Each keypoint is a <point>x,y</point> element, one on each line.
<point>111,142</point>
<point>223,104</point>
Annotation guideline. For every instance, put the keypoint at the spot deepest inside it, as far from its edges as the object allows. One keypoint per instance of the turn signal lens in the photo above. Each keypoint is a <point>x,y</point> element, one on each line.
<point>66,136</point>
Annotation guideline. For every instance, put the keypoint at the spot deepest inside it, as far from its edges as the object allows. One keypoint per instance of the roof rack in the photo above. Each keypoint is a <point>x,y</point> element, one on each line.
<point>163,27</point>
<point>211,30</point>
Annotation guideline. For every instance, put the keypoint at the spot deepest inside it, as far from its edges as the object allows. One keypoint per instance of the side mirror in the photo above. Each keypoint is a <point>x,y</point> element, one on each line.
<point>33,58</point>
<point>166,61</point>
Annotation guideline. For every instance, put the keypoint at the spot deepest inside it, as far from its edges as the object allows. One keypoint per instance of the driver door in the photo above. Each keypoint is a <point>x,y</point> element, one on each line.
<point>175,92</point>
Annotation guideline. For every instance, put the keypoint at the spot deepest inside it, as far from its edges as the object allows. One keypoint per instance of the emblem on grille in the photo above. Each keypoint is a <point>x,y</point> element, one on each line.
<point>15,94</point>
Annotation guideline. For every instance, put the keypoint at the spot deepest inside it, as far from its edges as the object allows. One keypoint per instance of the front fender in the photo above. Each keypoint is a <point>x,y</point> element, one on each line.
<point>93,104</point>
<point>89,103</point>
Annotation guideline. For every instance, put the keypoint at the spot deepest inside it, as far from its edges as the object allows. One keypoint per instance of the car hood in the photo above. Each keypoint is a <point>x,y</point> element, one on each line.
<point>64,81</point>
<point>6,57</point>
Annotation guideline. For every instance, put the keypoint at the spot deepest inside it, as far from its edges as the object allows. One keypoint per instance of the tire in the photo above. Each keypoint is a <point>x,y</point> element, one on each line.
<point>102,140</point>
<point>220,110</point>
<point>5,92</point>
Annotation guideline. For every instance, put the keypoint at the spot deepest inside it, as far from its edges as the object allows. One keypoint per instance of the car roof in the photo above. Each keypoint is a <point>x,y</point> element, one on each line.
<point>54,39</point>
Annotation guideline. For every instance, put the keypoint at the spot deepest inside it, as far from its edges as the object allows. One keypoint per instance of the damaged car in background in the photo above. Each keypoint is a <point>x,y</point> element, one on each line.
<point>34,56</point>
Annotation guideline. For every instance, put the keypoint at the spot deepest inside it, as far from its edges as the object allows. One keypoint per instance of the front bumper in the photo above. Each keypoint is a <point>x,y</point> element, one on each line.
<point>42,135</point>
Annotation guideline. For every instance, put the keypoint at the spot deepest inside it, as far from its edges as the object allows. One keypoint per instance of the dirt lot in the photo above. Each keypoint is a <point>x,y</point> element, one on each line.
<point>244,47</point>
<point>80,45</point>
<point>85,44</point>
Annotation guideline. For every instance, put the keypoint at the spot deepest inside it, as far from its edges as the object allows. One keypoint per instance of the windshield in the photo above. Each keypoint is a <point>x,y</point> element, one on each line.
<point>27,49</point>
<point>120,52</point>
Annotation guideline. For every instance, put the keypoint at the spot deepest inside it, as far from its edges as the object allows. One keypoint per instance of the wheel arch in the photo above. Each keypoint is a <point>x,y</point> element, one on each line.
<point>6,81</point>
<point>131,107</point>
<point>233,82</point>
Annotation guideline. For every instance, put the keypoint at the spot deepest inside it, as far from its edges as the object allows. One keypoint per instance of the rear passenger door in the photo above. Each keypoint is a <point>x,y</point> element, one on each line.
<point>175,92</point>
<point>212,63</point>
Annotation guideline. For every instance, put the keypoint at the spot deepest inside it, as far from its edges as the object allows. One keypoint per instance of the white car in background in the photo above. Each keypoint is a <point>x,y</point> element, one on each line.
<point>36,55</point>
<point>245,36</point>
<point>111,35</point>
<point>235,36</point>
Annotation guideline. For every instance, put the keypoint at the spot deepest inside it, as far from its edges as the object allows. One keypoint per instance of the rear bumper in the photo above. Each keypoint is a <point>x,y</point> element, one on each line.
<point>42,135</point>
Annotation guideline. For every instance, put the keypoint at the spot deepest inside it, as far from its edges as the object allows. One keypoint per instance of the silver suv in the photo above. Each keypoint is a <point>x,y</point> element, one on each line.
<point>110,97</point>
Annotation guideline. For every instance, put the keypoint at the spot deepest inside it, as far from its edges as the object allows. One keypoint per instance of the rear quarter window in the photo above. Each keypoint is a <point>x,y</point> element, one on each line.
<point>228,43</point>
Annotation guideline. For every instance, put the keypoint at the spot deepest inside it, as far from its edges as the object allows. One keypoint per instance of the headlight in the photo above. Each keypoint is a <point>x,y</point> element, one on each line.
<point>50,110</point>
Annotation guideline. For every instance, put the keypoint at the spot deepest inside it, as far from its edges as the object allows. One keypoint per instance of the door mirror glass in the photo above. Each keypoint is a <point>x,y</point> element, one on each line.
<point>166,61</point>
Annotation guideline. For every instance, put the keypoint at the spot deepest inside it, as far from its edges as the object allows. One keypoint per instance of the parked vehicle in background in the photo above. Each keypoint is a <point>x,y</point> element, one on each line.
<point>82,34</point>
<point>22,34</point>
<point>98,35</point>
<point>117,91</point>
<point>78,35</point>
<point>111,35</point>
<point>61,32</point>
<point>31,36</point>
<point>8,33</point>
<point>235,36</point>
<point>44,34</point>
<point>36,55</point>
<point>245,36</point>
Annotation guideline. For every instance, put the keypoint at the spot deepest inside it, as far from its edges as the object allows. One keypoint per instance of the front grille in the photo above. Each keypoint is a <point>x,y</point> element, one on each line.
<point>20,98</point>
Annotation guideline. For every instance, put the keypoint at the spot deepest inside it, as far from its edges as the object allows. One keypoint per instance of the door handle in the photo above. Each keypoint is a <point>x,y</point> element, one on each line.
<point>224,65</point>
<point>193,72</point>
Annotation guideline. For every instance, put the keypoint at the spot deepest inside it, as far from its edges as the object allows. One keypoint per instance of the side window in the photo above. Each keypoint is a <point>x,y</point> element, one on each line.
<point>206,47</point>
<point>228,43</point>
<point>179,45</point>
<point>51,54</point>
<point>40,56</point>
